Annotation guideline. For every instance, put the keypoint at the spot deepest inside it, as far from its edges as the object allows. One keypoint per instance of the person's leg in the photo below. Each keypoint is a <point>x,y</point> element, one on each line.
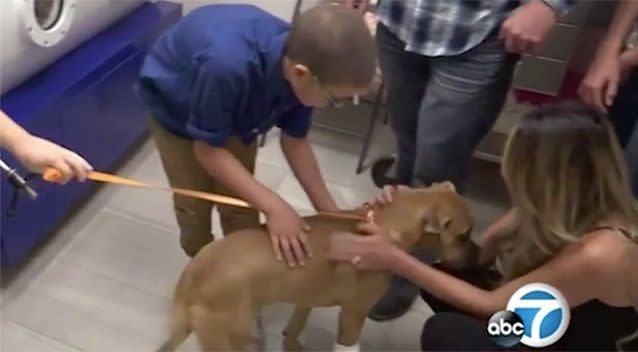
<point>624,112</point>
<point>453,331</point>
<point>234,218</point>
<point>463,99</point>
<point>183,170</point>
<point>631,154</point>
<point>624,115</point>
<point>405,75</point>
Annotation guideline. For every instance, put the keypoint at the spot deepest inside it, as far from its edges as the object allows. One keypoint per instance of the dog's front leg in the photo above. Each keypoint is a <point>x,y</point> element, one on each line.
<point>351,321</point>
<point>295,326</point>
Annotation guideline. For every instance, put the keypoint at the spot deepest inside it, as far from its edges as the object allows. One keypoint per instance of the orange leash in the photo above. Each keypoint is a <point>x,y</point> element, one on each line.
<point>53,175</point>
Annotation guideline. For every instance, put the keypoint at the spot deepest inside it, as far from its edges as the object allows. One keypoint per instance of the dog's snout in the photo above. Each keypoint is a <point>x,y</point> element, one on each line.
<point>461,256</point>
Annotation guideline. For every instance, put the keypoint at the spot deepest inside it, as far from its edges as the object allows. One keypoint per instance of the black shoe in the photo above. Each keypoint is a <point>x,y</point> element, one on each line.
<point>380,170</point>
<point>400,296</point>
<point>396,301</point>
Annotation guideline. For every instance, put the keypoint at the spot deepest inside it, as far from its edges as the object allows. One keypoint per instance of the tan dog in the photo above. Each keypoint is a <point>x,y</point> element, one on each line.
<point>222,289</point>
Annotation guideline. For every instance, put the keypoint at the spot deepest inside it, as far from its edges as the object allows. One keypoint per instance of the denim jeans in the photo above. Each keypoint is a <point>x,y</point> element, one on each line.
<point>441,107</point>
<point>631,153</point>
<point>624,115</point>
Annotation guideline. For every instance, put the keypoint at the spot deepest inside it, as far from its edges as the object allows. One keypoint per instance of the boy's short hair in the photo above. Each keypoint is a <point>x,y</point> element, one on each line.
<point>335,44</point>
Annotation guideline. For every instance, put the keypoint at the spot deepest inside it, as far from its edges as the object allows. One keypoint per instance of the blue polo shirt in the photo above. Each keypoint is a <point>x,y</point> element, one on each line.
<point>218,73</point>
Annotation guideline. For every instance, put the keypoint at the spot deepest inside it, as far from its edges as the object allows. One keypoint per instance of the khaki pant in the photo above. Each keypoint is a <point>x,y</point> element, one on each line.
<point>183,170</point>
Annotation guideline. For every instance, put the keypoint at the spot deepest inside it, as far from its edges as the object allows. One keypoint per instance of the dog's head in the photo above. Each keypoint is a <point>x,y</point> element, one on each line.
<point>440,221</point>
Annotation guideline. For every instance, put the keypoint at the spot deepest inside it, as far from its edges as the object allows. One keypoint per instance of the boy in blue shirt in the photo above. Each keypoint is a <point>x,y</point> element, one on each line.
<point>225,74</point>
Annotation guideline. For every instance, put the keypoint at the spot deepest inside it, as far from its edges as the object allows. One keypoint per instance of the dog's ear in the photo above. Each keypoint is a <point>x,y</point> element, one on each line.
<point>445,185</point>
<point>435,221</point>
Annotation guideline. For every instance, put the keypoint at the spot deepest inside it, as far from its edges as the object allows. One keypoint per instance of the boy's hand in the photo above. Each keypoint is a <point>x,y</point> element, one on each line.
<point>287,233</point>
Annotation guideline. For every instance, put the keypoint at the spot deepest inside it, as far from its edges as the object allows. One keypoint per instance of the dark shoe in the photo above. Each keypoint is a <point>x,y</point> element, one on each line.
<point>396,301</point>
<point>380,170</point>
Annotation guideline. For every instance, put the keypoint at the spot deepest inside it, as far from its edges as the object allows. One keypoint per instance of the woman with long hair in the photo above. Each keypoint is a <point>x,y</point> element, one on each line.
<point>574,226</point>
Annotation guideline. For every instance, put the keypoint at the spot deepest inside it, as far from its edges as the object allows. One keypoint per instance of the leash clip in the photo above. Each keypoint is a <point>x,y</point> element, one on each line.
<point>19,188</point>
<point>20,185</point>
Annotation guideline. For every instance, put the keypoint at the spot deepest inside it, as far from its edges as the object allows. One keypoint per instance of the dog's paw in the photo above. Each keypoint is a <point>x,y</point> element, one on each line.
<point>342,348</point>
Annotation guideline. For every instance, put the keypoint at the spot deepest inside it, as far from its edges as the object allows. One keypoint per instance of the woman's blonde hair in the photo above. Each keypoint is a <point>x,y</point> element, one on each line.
<point>565,173</point>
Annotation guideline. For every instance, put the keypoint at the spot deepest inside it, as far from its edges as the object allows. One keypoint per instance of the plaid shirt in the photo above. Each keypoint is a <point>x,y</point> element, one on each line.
<point>449,27</point>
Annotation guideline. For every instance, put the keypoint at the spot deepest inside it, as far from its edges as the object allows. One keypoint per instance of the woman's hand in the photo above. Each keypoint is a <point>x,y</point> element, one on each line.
<point>37,154</point>
<point>371,250</point>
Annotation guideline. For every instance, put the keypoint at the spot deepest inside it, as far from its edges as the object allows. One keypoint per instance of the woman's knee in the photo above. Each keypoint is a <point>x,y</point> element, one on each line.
<point>455,332</point>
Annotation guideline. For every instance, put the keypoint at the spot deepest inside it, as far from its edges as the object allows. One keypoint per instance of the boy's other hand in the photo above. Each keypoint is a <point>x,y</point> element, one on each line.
<point>288,234</point>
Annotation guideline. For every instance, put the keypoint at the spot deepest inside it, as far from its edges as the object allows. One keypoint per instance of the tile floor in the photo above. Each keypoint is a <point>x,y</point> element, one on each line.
<point>103,281</point>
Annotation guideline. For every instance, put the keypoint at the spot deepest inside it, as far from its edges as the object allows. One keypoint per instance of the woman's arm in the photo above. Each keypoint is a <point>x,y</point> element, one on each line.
<point>504,226</point>
<point>573,273</point>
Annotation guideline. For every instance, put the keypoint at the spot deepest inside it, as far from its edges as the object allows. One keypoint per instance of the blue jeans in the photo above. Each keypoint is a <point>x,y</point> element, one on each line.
<point>624,115</point>
<point>442,107</point>
<point>631,153</point>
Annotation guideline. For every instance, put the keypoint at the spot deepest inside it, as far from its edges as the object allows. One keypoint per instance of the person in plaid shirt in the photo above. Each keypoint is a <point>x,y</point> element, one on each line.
<point>447,66</point>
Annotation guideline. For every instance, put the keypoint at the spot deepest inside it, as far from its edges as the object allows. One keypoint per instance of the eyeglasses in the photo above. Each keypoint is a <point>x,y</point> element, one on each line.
<point>332,101</point>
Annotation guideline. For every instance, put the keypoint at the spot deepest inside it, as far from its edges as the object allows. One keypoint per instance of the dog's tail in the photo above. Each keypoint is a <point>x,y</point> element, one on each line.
<point>180,322</point>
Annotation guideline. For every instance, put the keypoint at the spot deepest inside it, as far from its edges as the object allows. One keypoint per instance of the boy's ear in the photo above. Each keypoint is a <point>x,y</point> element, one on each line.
<point>299,70</point>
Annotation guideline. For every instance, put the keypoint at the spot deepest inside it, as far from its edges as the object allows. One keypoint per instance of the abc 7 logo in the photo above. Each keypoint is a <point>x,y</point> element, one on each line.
<point>506,328</point>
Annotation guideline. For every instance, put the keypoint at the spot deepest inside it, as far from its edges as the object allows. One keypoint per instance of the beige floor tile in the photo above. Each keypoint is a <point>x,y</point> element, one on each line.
<point>138,253</point>
<point>15,338</point>
<point>91,312</point>
<point>345,197</point>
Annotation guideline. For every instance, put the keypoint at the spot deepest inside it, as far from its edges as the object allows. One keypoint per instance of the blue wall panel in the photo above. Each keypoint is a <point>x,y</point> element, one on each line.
<point>87,102</point>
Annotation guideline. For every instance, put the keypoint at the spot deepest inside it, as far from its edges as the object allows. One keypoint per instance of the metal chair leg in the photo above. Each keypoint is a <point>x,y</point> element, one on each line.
<point>373,119</point>
<point>261,333</point>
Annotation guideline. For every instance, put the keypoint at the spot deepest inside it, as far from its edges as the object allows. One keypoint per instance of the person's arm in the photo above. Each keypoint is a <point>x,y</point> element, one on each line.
<point>629,59</point>
<point>624,19</point>
<point>225,168</point>
<point>216,89</point>
<point>487,242</point>
<point>11,134</point>
<point>600,84</point>
<point>295,125</point>
<point>571,272</point>
<point>284,223</point>
<point>526,29</point>
<point>37,154</point>
<point>303,163</point>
